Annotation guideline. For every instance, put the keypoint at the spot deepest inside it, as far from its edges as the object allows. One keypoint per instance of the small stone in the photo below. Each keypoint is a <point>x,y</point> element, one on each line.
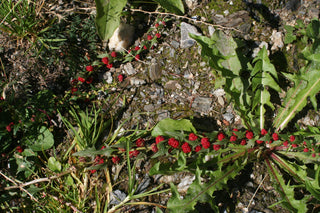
<point>122,38</point>
<point>154,70</point>
<point>137,82</point>
<point>172,85</point>
<point>219,92</point>
<point>175,44</point>
<point>202,104</point>
<point>186,41</point>
<point>211,30</point>
<point>276,39</point>
<point>128,68</point>
<point>228,117</point>
<point>107,77</point>
<point>185,183</point>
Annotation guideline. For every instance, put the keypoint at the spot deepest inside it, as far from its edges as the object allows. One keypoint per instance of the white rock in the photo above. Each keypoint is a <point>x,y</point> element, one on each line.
<point>186,41</point>
<point>121,38</point>
<point>276,39</point>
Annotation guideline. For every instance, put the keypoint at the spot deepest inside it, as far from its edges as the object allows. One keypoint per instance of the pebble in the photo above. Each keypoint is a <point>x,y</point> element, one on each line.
<point>186,41</point>
<point>154,70</point>
<point>107,77</point>
<point>128,68</point>
<point>137,82</point>
<point>202,104</point>
<point>228,117</point>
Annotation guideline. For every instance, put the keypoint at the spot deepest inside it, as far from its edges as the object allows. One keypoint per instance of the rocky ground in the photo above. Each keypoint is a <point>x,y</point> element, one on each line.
<point>174,81</point>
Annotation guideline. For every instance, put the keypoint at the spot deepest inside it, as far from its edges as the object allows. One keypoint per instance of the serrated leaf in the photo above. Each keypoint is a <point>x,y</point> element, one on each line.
<point>171,125</point>
<point>108,17</point>
<point>173,6</point>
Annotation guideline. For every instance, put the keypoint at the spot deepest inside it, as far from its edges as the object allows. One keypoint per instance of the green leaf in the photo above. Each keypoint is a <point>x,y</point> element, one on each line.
<point>91,152</point>
<point>43,141</point>
<point>170,125</point>
<point>173,6</point>
<point>54,165</point>
<point>296,97</point>
<point>108,17</point>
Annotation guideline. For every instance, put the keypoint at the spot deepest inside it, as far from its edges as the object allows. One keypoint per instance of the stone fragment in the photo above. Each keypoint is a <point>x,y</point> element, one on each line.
<point>122,38</point>
<point>107,77</point>
<point>172,85</point>
<point>155,70</point>
<point>186,41</point>
<point>137,82</point>
<point>128,68</point>
<point>276,39</point>
<point>202,104</point>
<point>228,117</point>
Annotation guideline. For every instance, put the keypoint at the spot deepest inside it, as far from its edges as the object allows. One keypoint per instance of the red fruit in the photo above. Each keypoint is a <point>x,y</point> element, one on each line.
<point>134,153</point>
<point>81,79</point>
<point>313,155</point>
<point>144,47</point>
<point>89,68</point>
<point>285,143</point>
<point>173,143</point>
<point>158,35</point>
<point>259,141</point>
<point>233,138</point>
<point>137,48</point>
<point>140,142</point>
<point>216,147</point>
<point>115,159</point>
<point>221,136</point>
<point>109,66</point>
<point>89,80</point>
<point>159,138</point>
<point>249,135</point>
<point>154,147</point>
<point>113,54</point>
<point>292,138</point>
<point>105,60</point>
<point>121,149</point>
<point>120,78</point>
<point>164,23</point>
<point>275,136</point>
<point>264,132</point>
<point>235,130</point>
<point>74,82</point>
<point>305,150</point>
<point>19,149</point>
<point>156,25</point>
<point>103,147</point>
<point>205,143</point>
<point>186,147</point>
<point>294,145</point>
<point>73,90</point>
<point>9,129</point>
<point>197,148</point>
<point>93,171</point>
<point>243,142</point>
<point>149,37</point>
<point>137,57</point>
<point>192,137</point>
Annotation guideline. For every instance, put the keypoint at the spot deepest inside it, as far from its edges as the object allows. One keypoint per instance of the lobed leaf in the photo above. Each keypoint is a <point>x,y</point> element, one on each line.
<point>173,6</point>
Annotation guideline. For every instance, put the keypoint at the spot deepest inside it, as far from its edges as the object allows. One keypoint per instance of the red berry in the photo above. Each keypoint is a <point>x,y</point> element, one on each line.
<point>105,60</point>
<point>120,78</point>
<point>259,141</point>
<point>140,142</point>
<point>137,48</point>
<point>137,57</point>
<point>115,159</point>
<point>243,142</point>
<point>197,148</point>
<point>158,35</point>
<point>285,143</point>
<point>113,54</point>
<point>233,138</point>
<point>205,143</point>
<point>149,37</point>
<point>89,68</point>
<point>313,155</point>
<point>305,150</point>
<point>173,143</point>
<point>89,80</point>
<point>144,47</point>
<point>264,132</point>
<point>109,66</point>
<point>216,147</point>
<point>249,135</point>
<point>292,138</point>
<point>275,136</point>
<point>221,136</point>
<point>294,145</point>
<point>93,171</point>
<point>154,147</point>
<point>81,79</point>
<point>192,137</point>
<point>159,138</point>
<point>19,149</point>
<point>73,90</point>
<point>186,147</point>
<point>134,153</point>
<point>156,25</point>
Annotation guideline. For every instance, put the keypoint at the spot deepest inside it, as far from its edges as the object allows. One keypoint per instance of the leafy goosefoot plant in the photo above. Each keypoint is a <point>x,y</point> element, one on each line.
<point>227,155</point>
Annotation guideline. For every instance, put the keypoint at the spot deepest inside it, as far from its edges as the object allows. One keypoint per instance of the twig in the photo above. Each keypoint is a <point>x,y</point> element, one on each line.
<point>48,179</point>
<point>256,192</point>
<point>185,17</point>
<point>18,186</point>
